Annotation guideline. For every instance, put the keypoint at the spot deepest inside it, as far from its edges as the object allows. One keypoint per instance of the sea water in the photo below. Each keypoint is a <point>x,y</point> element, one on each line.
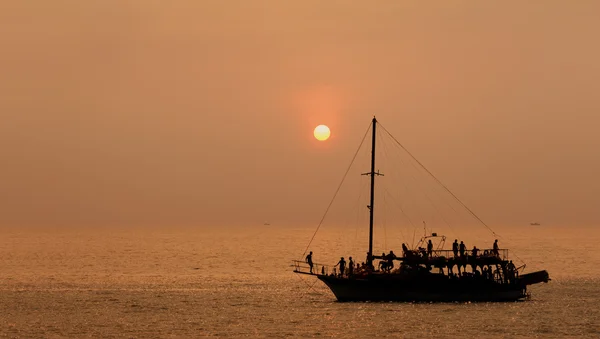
<point>237,282</point>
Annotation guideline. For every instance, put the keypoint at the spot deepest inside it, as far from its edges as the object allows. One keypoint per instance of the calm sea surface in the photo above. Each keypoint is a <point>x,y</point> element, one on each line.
<point>237,282</point>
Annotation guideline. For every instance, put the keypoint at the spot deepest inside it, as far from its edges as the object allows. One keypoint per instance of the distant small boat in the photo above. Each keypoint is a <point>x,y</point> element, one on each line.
<point>267,224</point>
<point>534,223</point>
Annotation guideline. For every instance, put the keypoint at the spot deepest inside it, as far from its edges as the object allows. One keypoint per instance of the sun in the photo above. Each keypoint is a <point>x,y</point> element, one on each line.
<point>322,132</point>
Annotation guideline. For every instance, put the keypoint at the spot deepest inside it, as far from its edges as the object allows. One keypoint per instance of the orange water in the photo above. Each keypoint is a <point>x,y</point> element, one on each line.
<point>236,282</point>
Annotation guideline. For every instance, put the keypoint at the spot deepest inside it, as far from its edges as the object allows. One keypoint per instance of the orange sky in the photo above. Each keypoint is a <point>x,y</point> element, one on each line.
<point>202,112</point>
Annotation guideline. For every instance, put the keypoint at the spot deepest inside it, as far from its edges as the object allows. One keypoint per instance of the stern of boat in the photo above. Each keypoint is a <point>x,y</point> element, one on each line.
<point>533,278</point>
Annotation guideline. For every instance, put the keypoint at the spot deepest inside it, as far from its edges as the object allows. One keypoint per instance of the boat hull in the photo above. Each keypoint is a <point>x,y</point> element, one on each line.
<point>420,289</point>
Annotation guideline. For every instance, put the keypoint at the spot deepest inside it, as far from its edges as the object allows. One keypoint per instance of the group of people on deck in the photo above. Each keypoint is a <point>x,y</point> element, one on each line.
<point>386,263</point>
<point>462,249</point>
<point>348,268</point>
<point>459,250</point>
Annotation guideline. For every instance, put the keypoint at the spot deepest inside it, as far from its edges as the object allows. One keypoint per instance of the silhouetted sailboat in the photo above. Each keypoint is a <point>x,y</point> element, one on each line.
<point>424,274</point>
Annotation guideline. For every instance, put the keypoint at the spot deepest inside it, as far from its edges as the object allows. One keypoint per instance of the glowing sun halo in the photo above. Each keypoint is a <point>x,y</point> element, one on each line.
<point>322,132</point>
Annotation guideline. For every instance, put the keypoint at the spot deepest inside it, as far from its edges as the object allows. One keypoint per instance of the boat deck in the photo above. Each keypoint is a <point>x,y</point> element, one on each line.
<point>439,259</point>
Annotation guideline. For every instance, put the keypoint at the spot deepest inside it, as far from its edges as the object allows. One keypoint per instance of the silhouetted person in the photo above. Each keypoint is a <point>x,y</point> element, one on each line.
<point>383,262</point>
<point>309,261</point>
<point>405,250</point>
<point>474,251</point>
<point>455,248</point>
<point>496,250</point>
<point>511,271</point>
<point>350,266</point>
<point>390,260</point>
<point>342,264</point>
<point>462,248</point>
<point>429,248</point>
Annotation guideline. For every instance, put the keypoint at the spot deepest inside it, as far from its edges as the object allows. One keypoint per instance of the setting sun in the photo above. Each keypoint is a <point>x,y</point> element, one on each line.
<point>322,132</point>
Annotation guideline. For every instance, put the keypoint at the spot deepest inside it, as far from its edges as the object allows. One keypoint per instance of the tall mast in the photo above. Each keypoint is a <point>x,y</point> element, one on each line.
<point>371,204</point>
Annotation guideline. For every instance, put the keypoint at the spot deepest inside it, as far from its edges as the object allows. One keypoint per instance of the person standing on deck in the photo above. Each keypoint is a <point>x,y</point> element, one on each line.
<point>496,250</point>
<point>463,248</point>
<point>455,247</point>
<point>405,251</point>
<point>342,264</point>
<point>512,271</point>
<point>390,260</point>
<point>350,266</point>
<point>309,261</point>
<point>429,248</point>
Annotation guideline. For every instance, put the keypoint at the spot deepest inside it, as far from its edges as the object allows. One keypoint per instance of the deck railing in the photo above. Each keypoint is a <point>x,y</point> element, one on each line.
<point>502,254</point>
<point>321,269</point>
<point>304,267</point>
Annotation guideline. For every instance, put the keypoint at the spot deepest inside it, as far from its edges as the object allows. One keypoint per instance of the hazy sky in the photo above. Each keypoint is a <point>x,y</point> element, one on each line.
<point>201,112</point>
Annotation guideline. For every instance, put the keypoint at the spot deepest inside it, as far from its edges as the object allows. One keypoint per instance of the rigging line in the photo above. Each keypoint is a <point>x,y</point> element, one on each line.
<point>384,223</point>
<point>383,161</point>
<point>408,190</point>
<point>439,182</point>
<point>399,206</point>
<point>433,189</point>
<point>447,190</point>
<point>431,202</point>
<point>387,157</point>
<point>310,287</point>
<point>358,212</point>
<point>386,192</point>
<point>444,199</point>
<point>338,189</point>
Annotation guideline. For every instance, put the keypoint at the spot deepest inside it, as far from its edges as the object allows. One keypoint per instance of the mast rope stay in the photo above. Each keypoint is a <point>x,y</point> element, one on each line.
<point>337,190</point>
<point>440,183</point>
<point>427,197</point>
<point>446,188</point>
<point>311,286</point>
